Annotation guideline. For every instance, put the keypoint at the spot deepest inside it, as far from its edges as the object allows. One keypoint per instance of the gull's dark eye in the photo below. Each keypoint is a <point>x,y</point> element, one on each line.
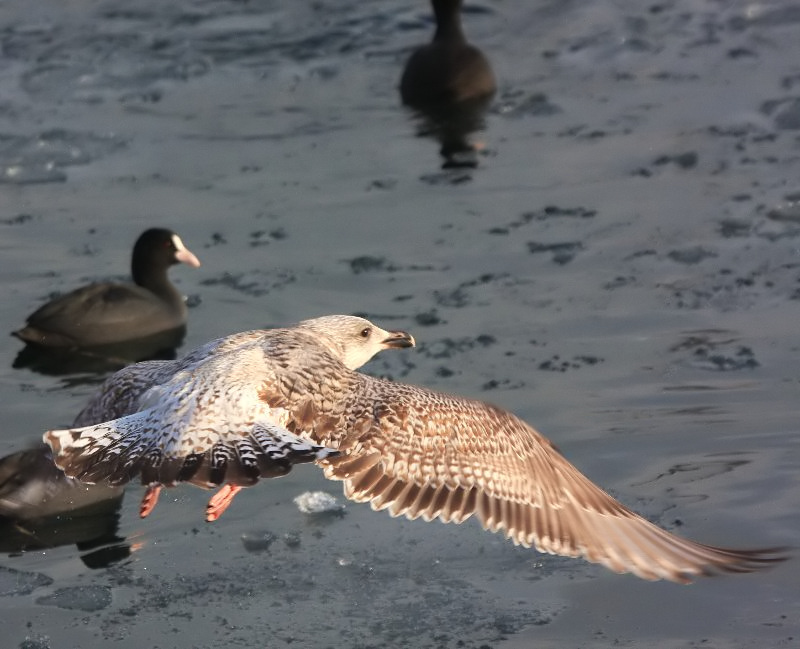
<point>365,332</point>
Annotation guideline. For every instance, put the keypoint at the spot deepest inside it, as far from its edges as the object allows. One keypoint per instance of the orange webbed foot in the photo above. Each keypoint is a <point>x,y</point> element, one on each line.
<point>219,501</point>
<point>149,500</point>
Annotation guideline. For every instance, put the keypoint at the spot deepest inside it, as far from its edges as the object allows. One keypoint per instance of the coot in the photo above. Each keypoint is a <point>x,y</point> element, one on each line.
<point>105,313</point>
<point>448,70</point>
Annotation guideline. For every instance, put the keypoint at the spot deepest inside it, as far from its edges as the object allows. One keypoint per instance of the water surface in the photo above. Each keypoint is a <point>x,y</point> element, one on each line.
<point>622,270</point>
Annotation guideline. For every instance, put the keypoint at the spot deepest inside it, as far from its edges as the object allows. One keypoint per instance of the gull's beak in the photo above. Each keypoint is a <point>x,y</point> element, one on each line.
<point>398,340</point>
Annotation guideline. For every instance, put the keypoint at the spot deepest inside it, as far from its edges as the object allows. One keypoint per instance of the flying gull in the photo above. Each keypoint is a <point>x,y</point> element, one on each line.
<point>253,404</point>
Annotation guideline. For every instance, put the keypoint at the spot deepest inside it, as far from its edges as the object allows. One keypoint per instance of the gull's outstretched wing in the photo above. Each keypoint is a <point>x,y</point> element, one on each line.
<point>424,454</point>
<point>142,444</point>
<point>200,420</point>
<point>121,394</point>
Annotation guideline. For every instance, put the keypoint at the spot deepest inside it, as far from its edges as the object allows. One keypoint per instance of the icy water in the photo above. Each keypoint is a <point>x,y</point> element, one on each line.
<point>622,270</point>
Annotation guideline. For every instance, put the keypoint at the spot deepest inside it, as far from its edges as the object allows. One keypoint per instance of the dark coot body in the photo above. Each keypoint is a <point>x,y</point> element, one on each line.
<point>40,507</point>
<point>105,313</point>
<point>32,487</point>
<point>448,70</point>
<point>449,84</point>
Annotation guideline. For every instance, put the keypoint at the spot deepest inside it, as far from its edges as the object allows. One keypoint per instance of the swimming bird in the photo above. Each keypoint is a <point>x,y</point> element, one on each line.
<point>42,508</point>
<point>105,313</point>
<point>449,84</point>
<point>237,408</point>
<point>32,488</point>
<point>448,69</point>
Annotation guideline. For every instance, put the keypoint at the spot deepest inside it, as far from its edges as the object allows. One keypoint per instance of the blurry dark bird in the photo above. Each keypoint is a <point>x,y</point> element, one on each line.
<point>40,507</point>
<point>107,312</point>
<point>448,69</point>
<point>449,83</point>
<point>252,405</point>
<point>32,487</point>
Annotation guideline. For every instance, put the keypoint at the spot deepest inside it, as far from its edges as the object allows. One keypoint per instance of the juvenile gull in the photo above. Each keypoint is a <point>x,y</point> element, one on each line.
<point>252,404</point>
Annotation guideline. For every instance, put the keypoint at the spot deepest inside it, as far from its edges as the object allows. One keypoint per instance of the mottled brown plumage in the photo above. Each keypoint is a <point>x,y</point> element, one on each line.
<point>253,404</point>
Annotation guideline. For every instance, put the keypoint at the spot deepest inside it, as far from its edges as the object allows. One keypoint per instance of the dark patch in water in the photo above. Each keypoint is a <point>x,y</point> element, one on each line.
<point>544,214</point>
<point>562,253</point>
<point>19,219</point>
<point>265,237</point>
<point>686,160</point>
<point>506,384</point>
<point>255,283</point>
<point>428,318</point>
<point>619,282</point>
<point>689,256</point>
<point>449,347</point>
<point>520,104</point>
<point>372,263</point>
<point>257,542</point>
<point>383,184</point>
<point>558,364</point>
<point>712,351</point>
<point>447,177</point>
<point>731,228</point>
<point>367,263</point>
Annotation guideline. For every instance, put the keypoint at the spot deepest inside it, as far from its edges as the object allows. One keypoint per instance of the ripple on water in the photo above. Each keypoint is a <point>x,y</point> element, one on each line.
<point>41,158</point>
<point>18,582</point>
<point>79,598</point>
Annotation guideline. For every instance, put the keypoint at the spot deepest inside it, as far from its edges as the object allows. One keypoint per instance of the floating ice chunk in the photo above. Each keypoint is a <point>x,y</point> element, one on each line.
<point>318,502</point>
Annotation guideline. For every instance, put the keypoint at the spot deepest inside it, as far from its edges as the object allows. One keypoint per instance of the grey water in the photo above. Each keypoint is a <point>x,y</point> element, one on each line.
<point>621,269</point>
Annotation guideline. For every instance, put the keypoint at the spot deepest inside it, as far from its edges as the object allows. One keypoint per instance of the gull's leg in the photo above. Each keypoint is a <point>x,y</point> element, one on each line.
<point>149,500</point>
<point>219,501</point>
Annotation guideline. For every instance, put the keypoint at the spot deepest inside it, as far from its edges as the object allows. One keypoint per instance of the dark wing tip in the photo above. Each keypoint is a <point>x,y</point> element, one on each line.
<point>752,560</point>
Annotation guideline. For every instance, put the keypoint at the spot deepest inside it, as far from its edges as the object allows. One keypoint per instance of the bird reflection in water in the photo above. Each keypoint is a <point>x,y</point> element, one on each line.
<point>42,508</point>
<point>100,359</point>
<point>449,85</point>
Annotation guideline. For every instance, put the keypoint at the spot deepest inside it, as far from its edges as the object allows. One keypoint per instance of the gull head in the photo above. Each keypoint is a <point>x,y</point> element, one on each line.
<point>354,340</point>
